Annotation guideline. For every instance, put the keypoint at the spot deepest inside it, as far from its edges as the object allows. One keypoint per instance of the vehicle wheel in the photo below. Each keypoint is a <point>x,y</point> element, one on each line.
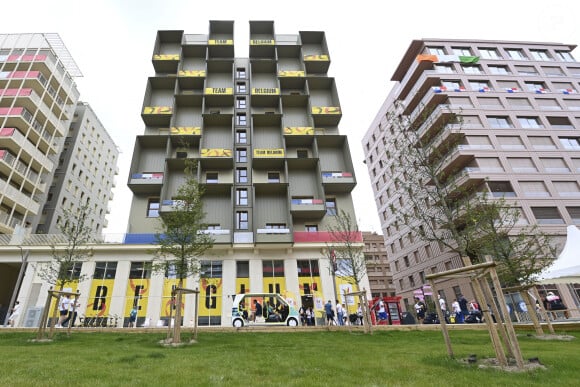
<point>292,322</point>
<point>238,323</point>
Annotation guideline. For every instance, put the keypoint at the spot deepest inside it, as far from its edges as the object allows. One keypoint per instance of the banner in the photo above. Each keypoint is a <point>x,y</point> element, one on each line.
<point>100,296</point>
<point>210,297</point>
<point>216,152</point>
<point>219,91</point>
<point>262,42</point>
<point>167,301</point>
<point>269,153</point>
<point>311,58</point>
<point>326,110</point>
<point>166,57</point>
<point>265,91</point>
<point>137,296</point>
<point>299,131</point>
<point>191,73</point>
<point>290,73</point>
<point>195,130</point>
<point>157,110</point>
<point>220,42</point>
<point>69,287</point>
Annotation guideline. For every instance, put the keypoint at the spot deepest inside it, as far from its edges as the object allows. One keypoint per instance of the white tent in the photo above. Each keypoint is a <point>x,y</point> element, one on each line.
<point>566,269</point>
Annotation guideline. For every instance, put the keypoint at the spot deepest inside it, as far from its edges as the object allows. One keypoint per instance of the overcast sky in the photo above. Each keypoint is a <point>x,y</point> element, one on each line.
<point>112,43</point>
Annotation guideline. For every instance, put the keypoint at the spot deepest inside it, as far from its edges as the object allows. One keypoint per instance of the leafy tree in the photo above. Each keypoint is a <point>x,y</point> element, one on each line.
<point>69,249</point>
<point>345,251</point>
<point>183,236</point>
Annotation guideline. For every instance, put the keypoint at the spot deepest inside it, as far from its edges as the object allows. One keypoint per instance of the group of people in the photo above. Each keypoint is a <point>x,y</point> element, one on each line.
<point>67,308</point>
<point>307,317</point>
<point>341,317</point>
<point>269,312</point>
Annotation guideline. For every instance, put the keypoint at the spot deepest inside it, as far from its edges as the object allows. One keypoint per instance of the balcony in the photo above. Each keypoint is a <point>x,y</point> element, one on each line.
<point>218,96</point>
<point>338,182</point>
<point>271,235</point>
<point>216,158</point>
<point>316,64</point>
<point>220,48</point>
<point>159,116</point>
<point>326,236</point>
<point>189,80</point>
<point>422,86</point>
<point>165,63</point>
<point>22,202</point>
<point>298,135</point>
<point>14,140</point>
<point>265,96</point>
<point>326,115</point>
<point>219,236</point>
<point>307,208</point>
<point>268,157</point>
<point>262,48</point>
<point>142,183</point>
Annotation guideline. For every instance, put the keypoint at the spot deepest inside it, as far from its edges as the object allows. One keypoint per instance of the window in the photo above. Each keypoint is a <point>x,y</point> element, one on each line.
<point>443,68</point>
<point>488,53</point>
<point>153,208</point>
<point>241,155</point>
<point>242,197</point>
<point>501,189</point>
<point>240,87</point>
<point>519,103</point>
<point>406,260</point>
<point>526,70</point>
<point>241,136</point>
<point>498,69</point>
<point>510,142</point>
<point>210,269</point>
<point>411,281</point>
<point>548,104</point>
<point>211,177</point>
<point>570,142</point>
<point>553,71</point>
<point>574,213</point>
<point>243,269</point>
<point>567,188</point>
<point>572,104</point>
<point>522,164</point>
<point>241,119</point>
<point>273,177</point>
<point>565,56</point>
<point>241,175</point>
<point>537,87</point>
<point>436,50</point>
<point>311,227</point>
<point>302,153</point>
<point>462,51</point>
<point>547,215</point>
<point>241,73</point>
<point>479,85</point>
<point>471,69</point>
<point>331,206</point>
<point>560,123</point>
<point>554,165</point>
<point>139,270</point>
<point>540,55</point>
<point>308,268</point>
<point>509,86</point>
<point>242,220</point>
<point>74,273</point>
<point>529,122</point>
<point>490,103</point>
<point>499,122</point>
<point>542,142</point>
<point>536,189</point>
<point>516,54</point>
<point>241,102</point>
<point>564,87</point>
<point>105,270</point>
<point>214,226</point>
<point>273,268</point>
<point>275,226</point>
<point>452,85</point>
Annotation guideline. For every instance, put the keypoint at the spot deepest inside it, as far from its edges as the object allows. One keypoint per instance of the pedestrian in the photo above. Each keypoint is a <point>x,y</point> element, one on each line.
<point>329,313</point>
<point>339,313</point>
<point>72,313</point>
<point>63,308</point>
<point>257,310</point>
<point>463,305</point>
<point>382,315</point>
<point>15,313</point>
<point>359,315</point>
<point>309,316</point>
<point>443,306</point>
<point>133,317</point>
<point>420,310</point>
<point>457,311</point>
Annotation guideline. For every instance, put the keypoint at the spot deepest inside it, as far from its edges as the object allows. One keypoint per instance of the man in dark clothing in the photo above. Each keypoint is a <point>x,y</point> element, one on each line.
<point>463,305</point>
<point>258,308</point>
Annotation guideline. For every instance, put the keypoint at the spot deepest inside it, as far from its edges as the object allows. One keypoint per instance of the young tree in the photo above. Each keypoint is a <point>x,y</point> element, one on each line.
<point>345,250</point>
<point>183,236</point>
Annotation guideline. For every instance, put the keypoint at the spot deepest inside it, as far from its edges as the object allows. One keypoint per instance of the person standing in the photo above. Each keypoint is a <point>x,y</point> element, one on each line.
<point>463,305</point>
<point>339,313</point>
<point>257,310</point>
<point>443,306</point>
<point>15,313</point>
<point>133,317</point>
<point>382,315</point>
<point>72,313</point>
<point>420,310</point>
<point>457,310</point>
<point>359,314</point>
<point>329,313</point>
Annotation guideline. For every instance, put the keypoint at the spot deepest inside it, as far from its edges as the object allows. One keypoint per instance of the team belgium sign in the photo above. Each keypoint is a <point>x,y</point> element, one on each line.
<point>219,91</point>
<point>269,153</point>
<point>265,91</point>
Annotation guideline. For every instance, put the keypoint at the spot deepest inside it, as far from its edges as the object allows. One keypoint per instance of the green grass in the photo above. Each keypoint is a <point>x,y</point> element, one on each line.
<point>315,358</point>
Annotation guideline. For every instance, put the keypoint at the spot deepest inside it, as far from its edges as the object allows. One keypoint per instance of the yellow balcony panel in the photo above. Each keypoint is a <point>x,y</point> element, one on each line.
<point>299,131</point>
<point>316,58</point>
<point>186,130</point>
<point>265,91</point>
<point>216,152</point>
<point>219,91</point>
<point>326,110</point>
<point>166,57</point>
<point>291,73</point>
<point>269,153</point>
<point>220,42</point>
<point>262,42</point>
<point>157,110</point>
<point>191,73</point>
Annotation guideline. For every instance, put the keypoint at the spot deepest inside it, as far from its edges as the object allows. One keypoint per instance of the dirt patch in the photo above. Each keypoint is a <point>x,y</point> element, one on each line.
<point>529,365</point>
<point>554,337</point>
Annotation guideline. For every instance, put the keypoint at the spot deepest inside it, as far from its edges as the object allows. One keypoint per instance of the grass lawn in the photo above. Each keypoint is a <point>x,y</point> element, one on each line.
<point>301,358</point>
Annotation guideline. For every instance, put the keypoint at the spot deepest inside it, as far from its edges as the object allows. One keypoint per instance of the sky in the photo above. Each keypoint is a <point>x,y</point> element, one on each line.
<point>112,43</point>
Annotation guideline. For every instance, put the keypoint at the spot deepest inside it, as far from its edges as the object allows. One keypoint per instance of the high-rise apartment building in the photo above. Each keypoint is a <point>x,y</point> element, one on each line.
<point>86,172</point>
<point>38,97</point>
<point>276,170</point>
<point>377,264</point>
<point>518,140</point>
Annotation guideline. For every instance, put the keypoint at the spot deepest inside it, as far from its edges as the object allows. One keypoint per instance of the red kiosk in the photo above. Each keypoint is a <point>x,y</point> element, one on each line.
<point>392,309</point>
